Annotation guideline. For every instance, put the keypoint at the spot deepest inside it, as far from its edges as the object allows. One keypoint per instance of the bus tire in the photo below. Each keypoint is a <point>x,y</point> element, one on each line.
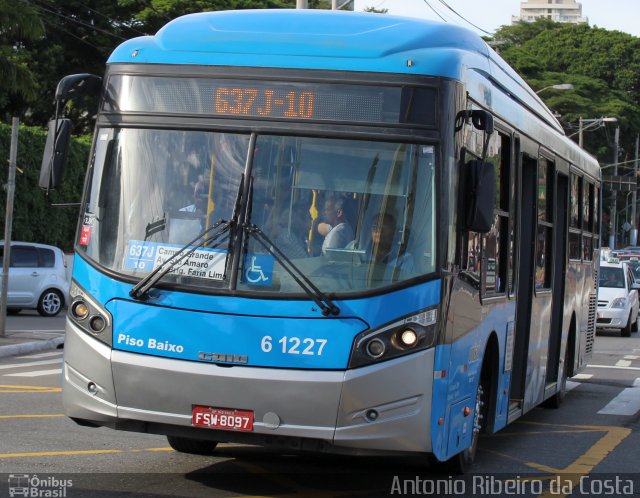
<point>626,331</point>
<point>462,462</point>
<point>192,446</point>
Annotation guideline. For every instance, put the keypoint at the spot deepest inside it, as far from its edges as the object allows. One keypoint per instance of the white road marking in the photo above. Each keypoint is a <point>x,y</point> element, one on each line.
<point>49,331</point>
<point>36,373</point>
<point>623,363</point>
<point>625,403</point>
<point>42,355</point>
<point>613,367</point>
<point>631,357</point>
<point>30,364</point>
<point>582,376</point>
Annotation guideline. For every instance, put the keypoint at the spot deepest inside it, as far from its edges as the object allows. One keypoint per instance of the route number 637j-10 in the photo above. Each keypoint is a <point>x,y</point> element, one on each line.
<point>293,345</point>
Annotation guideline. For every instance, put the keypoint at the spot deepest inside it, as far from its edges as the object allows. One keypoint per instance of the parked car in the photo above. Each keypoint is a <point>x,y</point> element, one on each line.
<point>617,297</point>
<point>37,278</point>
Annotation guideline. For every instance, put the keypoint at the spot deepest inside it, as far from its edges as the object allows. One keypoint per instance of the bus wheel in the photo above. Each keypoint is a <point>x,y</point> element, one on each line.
<point>461,463</point>
<point>192,446</point>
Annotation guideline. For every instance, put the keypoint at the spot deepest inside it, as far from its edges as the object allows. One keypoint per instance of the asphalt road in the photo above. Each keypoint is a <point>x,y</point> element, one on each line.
<point>590,446</point>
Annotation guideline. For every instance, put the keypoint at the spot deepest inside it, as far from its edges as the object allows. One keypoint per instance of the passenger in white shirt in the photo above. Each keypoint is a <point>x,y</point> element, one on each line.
<point>341,232</point>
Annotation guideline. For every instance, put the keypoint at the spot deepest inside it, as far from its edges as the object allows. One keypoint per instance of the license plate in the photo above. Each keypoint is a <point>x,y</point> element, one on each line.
<point>222,418</point>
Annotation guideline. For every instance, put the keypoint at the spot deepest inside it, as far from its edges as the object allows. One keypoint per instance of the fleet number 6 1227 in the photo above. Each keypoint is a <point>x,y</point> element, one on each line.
<point>293,345</point>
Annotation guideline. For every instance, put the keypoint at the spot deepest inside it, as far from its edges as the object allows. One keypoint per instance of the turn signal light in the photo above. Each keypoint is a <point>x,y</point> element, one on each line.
<point>80,310</point>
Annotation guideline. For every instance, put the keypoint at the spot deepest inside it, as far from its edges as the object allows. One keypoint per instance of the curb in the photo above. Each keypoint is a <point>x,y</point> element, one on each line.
<point>30,347</point>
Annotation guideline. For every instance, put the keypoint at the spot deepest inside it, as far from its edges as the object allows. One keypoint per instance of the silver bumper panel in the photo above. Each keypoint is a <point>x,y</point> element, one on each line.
<point>381,407</point>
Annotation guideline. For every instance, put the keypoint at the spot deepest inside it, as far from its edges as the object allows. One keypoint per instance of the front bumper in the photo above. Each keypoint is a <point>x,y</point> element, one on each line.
<point>612,318</point>
<point>117,388</point>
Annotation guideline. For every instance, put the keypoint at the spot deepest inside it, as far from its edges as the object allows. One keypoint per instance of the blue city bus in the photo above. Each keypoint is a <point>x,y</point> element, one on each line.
<point>329,231</point>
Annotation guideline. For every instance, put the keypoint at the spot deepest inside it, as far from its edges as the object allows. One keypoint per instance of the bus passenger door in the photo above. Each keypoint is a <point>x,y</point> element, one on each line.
<point>525,247</point>
<point>559,269</point>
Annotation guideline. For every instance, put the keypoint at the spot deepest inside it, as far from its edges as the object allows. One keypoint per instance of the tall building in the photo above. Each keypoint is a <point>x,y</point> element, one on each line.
<point>340,4</point>
<point>554,10</point>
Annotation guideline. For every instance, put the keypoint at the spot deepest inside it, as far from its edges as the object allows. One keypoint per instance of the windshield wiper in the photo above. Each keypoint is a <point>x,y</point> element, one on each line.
<point>211,234</point>
<point>327,306</point>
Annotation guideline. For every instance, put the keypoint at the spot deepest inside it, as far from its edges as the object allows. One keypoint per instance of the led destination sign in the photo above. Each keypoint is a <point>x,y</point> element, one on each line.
<point>270,100</point>
<point>248,101</point>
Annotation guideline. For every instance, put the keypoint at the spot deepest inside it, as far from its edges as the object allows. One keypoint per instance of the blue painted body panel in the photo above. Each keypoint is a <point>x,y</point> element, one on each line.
<point>457,367</point>
<point>309,39</point>
<point>181,325</point>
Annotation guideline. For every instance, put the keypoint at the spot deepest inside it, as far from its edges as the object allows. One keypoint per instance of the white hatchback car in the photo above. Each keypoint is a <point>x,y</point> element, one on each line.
<point>617,297</point>
<point>37,278</point>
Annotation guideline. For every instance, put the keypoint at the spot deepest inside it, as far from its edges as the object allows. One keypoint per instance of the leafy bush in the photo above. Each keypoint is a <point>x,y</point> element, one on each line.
<point>35,219</point>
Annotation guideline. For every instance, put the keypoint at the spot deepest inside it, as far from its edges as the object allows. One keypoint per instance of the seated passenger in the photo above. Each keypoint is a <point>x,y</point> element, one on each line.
<point>340,232</point>
<point>292,241</point>
<point>379,248</point>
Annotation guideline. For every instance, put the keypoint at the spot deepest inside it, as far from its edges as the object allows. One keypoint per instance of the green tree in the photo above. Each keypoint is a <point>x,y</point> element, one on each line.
<point>603,66</point>
<point>18,23</point>
<point>79,35</point>
<point>153,14</point>
<point>35,218</point>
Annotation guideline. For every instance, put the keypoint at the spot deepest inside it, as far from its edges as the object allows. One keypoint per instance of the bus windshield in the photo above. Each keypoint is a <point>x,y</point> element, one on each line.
<point>351,215</point>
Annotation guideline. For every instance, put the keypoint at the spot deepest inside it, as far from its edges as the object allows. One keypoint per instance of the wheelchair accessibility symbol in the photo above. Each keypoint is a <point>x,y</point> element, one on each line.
<point>259,270</point>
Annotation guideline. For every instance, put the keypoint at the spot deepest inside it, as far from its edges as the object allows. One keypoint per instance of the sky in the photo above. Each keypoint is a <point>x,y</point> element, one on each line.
<point>621,15</point>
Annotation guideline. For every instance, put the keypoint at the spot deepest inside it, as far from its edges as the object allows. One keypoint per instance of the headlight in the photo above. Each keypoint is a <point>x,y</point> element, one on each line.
<point>619,302</point>
<point>88,315</point>
<point>404,336</point>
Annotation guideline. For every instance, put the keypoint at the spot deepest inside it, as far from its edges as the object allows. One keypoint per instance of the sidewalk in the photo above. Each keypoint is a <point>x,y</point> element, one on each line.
<point>23,342</point>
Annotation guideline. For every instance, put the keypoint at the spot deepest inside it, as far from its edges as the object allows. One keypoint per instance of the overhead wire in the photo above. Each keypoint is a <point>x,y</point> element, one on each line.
<point>60,28</point>
<point>82,23</point>
<point>463,18</point>
<point>434,10</point>
<point>113,21</point>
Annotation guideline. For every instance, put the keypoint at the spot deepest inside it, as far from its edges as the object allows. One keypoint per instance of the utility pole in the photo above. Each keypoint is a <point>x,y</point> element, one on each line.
<point>11,187</point>
<point>580,132</point>
<point>634,222</point>
<point>614,197</point>
<point>302,4</point>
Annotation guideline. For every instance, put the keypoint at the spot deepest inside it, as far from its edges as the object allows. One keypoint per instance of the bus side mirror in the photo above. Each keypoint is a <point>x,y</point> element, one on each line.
<point>77,85</point>
<point>480,186</point>
<point>55,153</point>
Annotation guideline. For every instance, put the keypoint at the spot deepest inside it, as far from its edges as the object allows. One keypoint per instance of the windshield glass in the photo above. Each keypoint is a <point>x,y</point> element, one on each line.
<point>351,215</point>
<point>634,266</point>
<point>611,276</point>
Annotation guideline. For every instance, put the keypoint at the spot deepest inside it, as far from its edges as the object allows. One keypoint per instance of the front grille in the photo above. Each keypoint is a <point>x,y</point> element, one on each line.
<point>603,304</point>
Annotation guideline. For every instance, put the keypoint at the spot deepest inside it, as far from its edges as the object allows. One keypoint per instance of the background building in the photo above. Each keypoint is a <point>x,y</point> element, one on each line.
<point>554,10</point>
<point>340,4</point>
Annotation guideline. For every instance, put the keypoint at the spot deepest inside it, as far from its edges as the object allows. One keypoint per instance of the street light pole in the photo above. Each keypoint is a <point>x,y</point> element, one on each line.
<point>559,86</point>
<point>593,122</point>
<point>614,197</point>
<point>634,223</point>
